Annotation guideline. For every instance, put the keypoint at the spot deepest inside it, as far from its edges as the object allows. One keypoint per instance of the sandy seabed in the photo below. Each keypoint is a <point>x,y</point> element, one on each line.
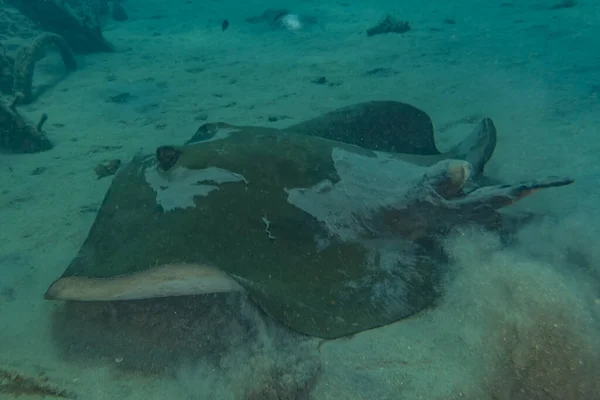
<point>521,322</point>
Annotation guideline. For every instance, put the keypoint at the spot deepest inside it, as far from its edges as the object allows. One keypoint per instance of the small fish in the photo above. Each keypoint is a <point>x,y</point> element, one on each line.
<point>224,25</point>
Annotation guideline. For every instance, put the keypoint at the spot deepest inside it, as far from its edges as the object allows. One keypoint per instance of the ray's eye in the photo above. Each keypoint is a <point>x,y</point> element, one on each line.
<point>167,156</point>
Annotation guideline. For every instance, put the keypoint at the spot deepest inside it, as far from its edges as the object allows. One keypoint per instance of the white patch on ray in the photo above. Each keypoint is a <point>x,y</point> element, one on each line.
<point>177,188</point>
<point>366,184</point>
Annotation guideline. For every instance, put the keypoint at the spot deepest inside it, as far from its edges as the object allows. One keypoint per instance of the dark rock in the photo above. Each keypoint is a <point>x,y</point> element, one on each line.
<point>564,4</point>
<point>389,25</point>
<point>381,72</point>
<point>38,171</point>
<point>18,134</point>
<point>120,98</point>
<point>118,12</point>
<point>82,36</point>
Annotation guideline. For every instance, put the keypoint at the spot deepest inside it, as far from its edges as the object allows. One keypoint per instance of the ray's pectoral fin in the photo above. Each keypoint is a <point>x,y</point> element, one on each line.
<point>478,147</point>
<point>163,281</point>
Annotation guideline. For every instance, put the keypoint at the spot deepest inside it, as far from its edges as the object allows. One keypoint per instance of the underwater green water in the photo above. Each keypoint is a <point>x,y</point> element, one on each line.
<point>301,200</point>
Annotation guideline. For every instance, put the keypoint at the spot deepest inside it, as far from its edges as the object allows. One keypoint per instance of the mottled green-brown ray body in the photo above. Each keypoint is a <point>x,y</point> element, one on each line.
<point>389,126</point>
<point>287,260</point>
<point>325,236</point>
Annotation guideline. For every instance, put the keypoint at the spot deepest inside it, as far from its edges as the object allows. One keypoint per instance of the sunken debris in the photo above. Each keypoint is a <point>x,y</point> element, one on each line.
<point>82,33</point>
<point>30,54</point>
<point>19,135</point>
<point>389,25</point>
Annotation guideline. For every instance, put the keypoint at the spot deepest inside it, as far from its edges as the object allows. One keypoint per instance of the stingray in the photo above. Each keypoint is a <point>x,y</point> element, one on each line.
<point>377,125</point>
<point>327,237</point>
